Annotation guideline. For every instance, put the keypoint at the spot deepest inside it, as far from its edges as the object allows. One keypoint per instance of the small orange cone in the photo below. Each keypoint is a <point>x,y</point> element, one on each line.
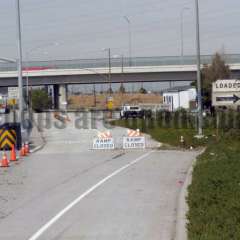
<point>26,148</point>
<point>13,157</point>
<point>22,151</point>
<point>4,162</point>
<point>68,119</point>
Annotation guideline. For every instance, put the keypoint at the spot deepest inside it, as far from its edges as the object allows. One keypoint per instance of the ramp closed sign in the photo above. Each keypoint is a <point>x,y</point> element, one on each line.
<point>133,142</point>
<point>107,143</point>
<point>103,141</point>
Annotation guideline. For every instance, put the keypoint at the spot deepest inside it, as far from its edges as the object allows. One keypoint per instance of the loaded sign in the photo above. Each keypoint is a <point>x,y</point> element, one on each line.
<point>226,92</point>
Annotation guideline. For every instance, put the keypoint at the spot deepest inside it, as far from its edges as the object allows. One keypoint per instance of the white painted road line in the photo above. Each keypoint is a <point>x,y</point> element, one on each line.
<point>45,227</point>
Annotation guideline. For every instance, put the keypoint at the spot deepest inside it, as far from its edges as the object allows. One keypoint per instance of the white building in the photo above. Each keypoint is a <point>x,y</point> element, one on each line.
<point>179,97</point>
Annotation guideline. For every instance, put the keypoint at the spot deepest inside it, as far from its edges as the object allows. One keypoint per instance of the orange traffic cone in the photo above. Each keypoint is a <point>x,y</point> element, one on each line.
<point>68,119</point>
<point>26,148</point>
<point>22,151</point>
<point>4,162</point>
<point>13,157</point>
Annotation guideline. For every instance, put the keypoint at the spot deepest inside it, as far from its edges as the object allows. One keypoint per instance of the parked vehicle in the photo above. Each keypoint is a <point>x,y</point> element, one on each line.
<point>4,108</point>
<point>128,111</point>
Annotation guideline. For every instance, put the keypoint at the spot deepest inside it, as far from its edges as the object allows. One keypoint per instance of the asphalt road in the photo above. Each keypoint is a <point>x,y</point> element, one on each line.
<point>67,191</point>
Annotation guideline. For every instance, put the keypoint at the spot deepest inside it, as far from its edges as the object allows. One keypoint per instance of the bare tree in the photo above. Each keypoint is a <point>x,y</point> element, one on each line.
<point>218,69</point>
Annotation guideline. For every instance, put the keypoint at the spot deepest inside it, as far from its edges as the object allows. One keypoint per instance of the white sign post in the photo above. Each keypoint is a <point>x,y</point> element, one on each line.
<point>226,93</point>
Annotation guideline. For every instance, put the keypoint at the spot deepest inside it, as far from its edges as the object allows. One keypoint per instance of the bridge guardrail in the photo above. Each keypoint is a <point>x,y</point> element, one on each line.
<point>116,62</point>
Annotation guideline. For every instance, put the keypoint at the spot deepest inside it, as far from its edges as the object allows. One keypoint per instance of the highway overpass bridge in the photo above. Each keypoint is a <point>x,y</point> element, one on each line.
<point>96,71</point>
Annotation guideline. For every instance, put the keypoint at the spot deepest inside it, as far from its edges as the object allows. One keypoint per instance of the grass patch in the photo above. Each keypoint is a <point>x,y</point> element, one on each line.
<point>168,136</point>
<point>215,192</point>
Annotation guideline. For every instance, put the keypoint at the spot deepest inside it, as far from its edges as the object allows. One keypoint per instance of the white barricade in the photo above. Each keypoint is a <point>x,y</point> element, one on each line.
<point>103,143</point>
<point>133,142</point>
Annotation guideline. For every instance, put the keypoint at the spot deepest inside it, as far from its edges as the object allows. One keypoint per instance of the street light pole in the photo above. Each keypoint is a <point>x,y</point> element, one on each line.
<point>94,95</point>
<point>199,87</point>
<point>27,80</point>
<point>19,61</point>
<point>28,65</point>
<point>109,70</point>
<point>129,39</point>
<point>121,59</point>
<point>181,28</point>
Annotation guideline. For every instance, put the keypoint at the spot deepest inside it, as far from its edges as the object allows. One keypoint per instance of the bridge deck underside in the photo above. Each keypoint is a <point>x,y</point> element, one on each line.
<point>91,79</point>
<point>115,78</point>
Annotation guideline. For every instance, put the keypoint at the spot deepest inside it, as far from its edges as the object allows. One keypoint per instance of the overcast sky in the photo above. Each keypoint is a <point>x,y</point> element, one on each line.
<point>64,29</point>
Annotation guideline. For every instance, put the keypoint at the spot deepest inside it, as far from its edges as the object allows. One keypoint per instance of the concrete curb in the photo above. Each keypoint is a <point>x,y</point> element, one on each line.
<point>38,139</point>
<point>182,207</point>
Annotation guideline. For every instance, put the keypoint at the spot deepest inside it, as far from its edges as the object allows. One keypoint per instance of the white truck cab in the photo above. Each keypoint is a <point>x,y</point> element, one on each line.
<point>128,111</point>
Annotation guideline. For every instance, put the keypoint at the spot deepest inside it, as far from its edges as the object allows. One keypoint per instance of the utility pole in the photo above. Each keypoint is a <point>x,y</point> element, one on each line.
<point>94,95</point>
<point>122,58</point>
<point>181,29</point>
<point>122,63</point>
<point>109,71</point>
<point>19,61</point>
<point>129,39</point>
<point>27,54</point>
<point>199,85</point>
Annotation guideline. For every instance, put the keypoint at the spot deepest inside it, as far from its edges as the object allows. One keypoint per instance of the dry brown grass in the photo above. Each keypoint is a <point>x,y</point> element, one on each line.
<point>87,101</point>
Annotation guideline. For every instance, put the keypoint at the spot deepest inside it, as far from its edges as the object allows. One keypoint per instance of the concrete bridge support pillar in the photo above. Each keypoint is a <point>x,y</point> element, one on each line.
<point>60,96</point>
<point>56,96</point>
<point>63,97</point>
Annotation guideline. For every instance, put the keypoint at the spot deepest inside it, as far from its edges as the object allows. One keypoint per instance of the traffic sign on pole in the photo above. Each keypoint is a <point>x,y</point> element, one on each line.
<point>13,93</point>
<point>226,92</point>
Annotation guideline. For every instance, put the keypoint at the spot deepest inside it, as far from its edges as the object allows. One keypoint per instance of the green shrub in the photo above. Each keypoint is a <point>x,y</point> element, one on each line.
<point>40,100</point>
<point>142,90</point>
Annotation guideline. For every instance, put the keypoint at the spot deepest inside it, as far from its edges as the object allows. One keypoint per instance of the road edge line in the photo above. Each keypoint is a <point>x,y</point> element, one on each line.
<point>53,220</point>
<point>38,148</point>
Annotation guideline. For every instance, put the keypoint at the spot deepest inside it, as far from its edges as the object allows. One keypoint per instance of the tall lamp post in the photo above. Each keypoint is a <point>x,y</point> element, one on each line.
<point>121,56</point>
<point>129,39</point>
<point>199,85</point>
<point>109,69</point>
<point>181,28</point>
<point>19,61</point>
<point>27,54</point>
